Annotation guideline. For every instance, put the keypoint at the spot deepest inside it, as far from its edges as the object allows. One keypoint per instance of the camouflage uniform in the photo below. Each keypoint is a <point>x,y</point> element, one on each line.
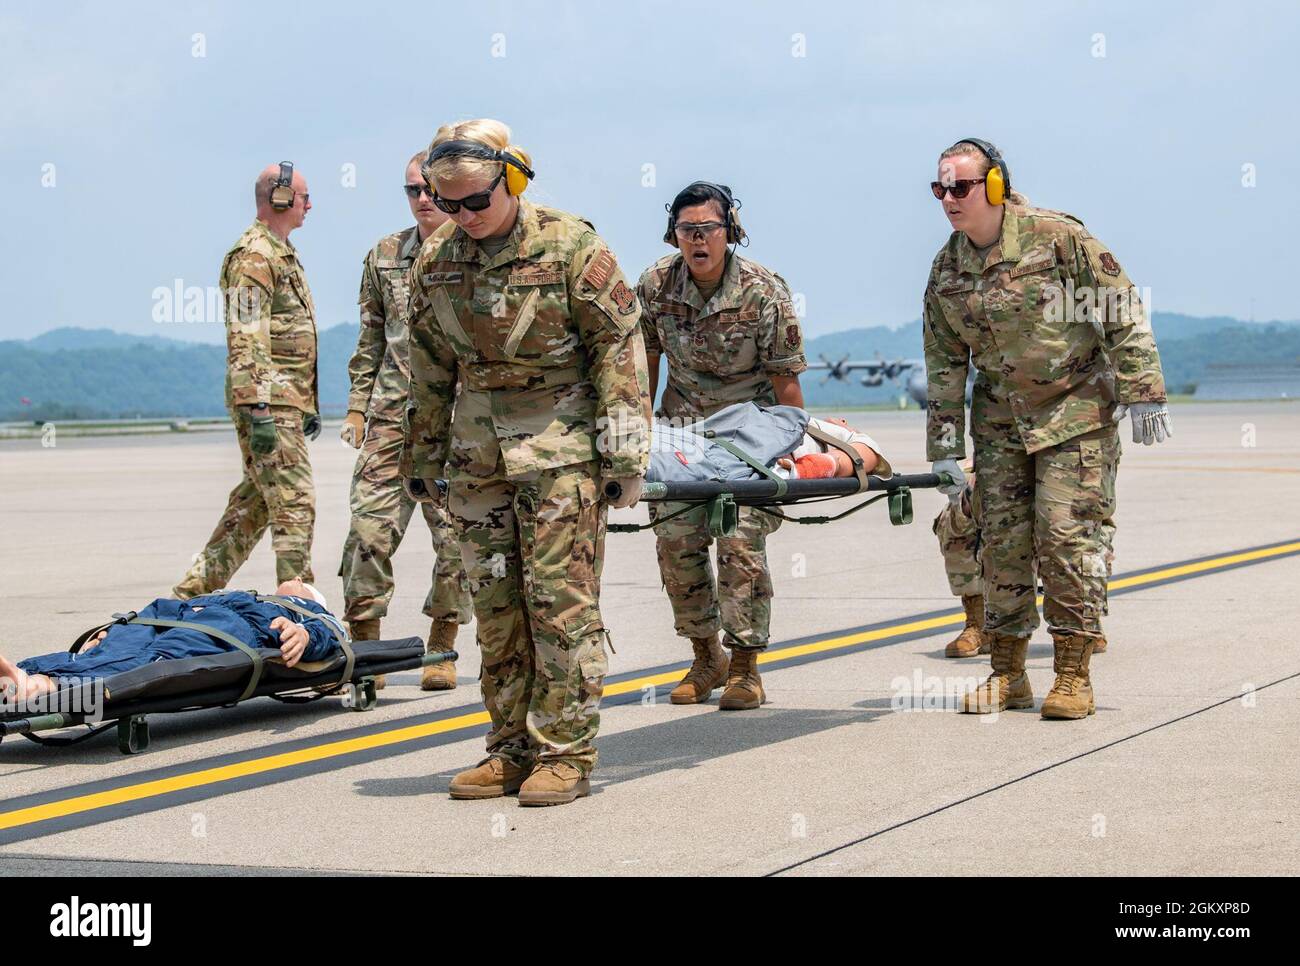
<point>959,539</point>
<point>959,542</point>
<point>271,349</point>
<point>381,508</point>
<point>719,353</point>
<point>554,393</point>
<point>1042,410</point>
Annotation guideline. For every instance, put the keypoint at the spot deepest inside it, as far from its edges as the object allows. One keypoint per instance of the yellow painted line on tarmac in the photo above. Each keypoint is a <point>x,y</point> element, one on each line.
<point>210,776</point>
<point>76,804</point>
<point>1182,570</point>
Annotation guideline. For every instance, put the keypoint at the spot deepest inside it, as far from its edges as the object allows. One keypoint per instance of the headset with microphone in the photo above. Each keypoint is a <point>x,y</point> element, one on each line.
<point>730,206</point>
<point>282,193</point>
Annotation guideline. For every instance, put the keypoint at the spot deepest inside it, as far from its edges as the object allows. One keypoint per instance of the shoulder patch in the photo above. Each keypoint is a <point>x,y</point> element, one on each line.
<point>623,298</point>
<point>600,270</point>
<point>792,338</point>
<point>1108,263</point>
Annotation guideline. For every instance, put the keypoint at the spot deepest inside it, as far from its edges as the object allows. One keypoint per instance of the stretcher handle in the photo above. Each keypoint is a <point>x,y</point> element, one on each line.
<point>43,722</point>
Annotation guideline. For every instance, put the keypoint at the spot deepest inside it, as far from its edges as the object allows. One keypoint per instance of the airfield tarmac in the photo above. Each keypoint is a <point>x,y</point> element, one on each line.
<point>1189,767</point>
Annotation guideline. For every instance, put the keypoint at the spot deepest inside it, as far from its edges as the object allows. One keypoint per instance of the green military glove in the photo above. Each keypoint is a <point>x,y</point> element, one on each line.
<point>263,439</point>
<point>311,425</point>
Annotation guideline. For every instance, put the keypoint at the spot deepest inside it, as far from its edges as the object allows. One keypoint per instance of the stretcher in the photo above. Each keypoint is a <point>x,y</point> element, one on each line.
<point>125,700</point>
<point>722,499</point>
<point>760,486</point>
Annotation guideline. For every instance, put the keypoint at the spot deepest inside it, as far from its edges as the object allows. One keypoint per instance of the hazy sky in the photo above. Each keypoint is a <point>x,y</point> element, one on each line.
<point>825,118</point>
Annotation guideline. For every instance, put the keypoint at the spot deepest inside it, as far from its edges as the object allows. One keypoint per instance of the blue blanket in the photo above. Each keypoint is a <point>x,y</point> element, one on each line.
<point>238,613</point>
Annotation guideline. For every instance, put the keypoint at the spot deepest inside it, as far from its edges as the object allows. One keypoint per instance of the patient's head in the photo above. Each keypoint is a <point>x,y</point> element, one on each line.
<point>297,588</point>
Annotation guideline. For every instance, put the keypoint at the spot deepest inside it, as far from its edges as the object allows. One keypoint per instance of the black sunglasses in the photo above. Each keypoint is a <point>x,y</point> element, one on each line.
<point>960,188</point>
<point>478,201</point>
<point>415,190</point>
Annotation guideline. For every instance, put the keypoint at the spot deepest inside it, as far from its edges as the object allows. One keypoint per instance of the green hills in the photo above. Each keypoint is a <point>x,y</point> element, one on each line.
<point>76,373</point>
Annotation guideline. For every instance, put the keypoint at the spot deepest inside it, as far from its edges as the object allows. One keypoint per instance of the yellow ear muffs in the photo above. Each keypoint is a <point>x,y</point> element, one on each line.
<point>997,182</point>
<point>517,164</point>
<point>516,178</point>
<point>995,186</point>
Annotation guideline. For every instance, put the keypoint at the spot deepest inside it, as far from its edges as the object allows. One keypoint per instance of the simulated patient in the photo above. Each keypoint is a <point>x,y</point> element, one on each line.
<point>814,460</point>
<point>122,647</point>
<point>786,439</point>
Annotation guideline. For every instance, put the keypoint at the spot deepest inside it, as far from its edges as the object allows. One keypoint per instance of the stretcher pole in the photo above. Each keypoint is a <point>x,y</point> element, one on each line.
<point>722,499</point>
<point>754,492</point>
<point>40,722</point>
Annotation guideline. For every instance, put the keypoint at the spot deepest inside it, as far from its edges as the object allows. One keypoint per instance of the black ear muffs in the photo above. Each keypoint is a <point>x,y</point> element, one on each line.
<point>997,183</point>
<point>731,213</point>
<point>282,193</point>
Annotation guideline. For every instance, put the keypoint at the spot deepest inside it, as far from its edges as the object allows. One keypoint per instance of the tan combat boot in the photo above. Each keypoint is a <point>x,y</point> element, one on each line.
<point>1008,685</point>
<point>1071,695</point>
<point>972,640</point>
<point>554,783</point>
<point>1099,645</point>
<point>440,676</point>
<point>367,630</point>
<point>708,671</point>
<point>492,777</point>
<point>744,686</point>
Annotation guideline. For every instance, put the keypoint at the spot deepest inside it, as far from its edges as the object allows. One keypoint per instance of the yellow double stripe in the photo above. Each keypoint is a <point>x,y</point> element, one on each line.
<point>77,804</point>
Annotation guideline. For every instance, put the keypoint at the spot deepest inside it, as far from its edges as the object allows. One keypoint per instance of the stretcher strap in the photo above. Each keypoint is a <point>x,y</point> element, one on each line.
<point>638,527</point>
<point>818,520</point>
<point>826,439</point>
<point>63,742</point>
<point>80,642</point>
<point>329,621</point>
<point>253,655</point>
<point>740,454</point>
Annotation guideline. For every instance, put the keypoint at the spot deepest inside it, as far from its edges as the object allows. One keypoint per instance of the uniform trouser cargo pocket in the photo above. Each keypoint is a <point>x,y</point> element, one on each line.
<point>1074,528</point>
